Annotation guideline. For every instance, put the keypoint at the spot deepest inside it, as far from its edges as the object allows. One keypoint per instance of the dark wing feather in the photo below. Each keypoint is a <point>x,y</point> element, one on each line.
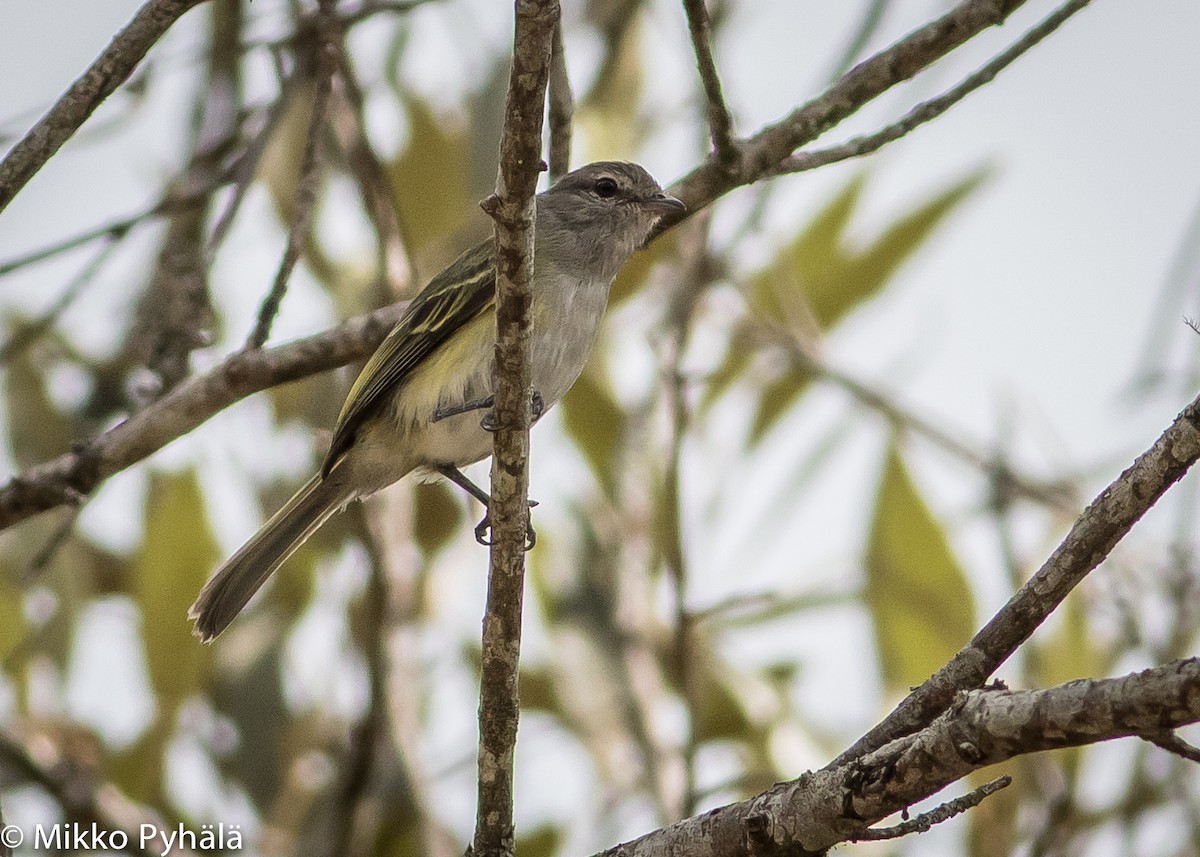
<point>454,297</point>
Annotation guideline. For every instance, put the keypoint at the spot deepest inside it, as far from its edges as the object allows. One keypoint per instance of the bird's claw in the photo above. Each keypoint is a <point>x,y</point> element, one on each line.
<point>485,525</point>
<point>537,407</point>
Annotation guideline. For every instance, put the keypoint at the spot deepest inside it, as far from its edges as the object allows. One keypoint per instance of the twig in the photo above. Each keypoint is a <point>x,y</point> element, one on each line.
<point>562,109</point>
<point>116,230</point>
<point>68,478</point>
<point>512,207</point>
<point>926,111</point>
<point>862,84</point>
<point>309,180</point>
<point>30,333</point>
<point>244,169</point>
<point>1098,529</point>
<point>1055,495</point>
<point>689,286</point>
<point>394,262</point>
<point>926,820</point>
<point>110,70</point>
<point>1172,743</point>
<point>369,733</point>
<point>174,314</point>
<point>720,123</point>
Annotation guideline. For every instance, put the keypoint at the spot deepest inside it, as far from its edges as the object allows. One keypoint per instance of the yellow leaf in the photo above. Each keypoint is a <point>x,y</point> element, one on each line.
<point>917,594</point>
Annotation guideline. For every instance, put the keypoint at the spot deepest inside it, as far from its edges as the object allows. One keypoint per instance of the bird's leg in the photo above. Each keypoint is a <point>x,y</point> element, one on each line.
<point>537,408</point>
<point>462,481</point>
<point>454,410</point>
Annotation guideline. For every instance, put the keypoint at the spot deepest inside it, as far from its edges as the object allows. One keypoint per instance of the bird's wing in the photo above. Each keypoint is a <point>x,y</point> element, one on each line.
<point>455,296</point>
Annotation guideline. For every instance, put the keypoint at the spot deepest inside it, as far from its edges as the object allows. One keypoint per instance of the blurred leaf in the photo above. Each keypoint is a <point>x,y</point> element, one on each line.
<point>176,558</point>
<point>636,273</point>
<point>917,594</point>
<point>1064,649</point>
<point>429,179</point>
<point>774,400</point>
<point>543,841</point>
<point>878,262</point>
<point>820,277</point>
<point>438,516</point>
<point>607,119</point>
<point>596,422</point>
<point>12,621</point>
<point>251,695</point>
<point>739,356</point>
<point>36,429</point>
<point>315,401</point>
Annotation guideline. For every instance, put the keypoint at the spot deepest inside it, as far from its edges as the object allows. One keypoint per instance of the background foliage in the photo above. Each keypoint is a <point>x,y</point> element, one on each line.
<point>684,621</point>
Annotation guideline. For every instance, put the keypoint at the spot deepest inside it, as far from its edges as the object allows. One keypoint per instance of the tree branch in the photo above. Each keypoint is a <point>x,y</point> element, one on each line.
<point>862,84</point>
<point>73,475</point>
<point>811,814</point>
<point>513,208</point>
<point>562,109</point>
<point>1103,523</point>
<point>720,123</point>
<point>310,174</point>
<point>945,812</point>
<point>929,110</point>
<point>110,70</point>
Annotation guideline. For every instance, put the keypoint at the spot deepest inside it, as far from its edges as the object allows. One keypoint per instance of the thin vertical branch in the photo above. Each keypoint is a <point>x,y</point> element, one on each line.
<point>688,287</point>
<point>562,109</point>
<point>720,124</point>
<point>512,207</point>
<point>392,256</point>
<point>310,176</point>
<point>112,68</point>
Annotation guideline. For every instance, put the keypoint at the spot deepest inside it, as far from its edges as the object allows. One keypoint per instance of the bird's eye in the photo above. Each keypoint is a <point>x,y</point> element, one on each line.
<point>606,188</point>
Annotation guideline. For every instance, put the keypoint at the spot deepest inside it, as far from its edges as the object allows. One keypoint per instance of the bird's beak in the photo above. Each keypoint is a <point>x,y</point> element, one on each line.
<point>665,203</point>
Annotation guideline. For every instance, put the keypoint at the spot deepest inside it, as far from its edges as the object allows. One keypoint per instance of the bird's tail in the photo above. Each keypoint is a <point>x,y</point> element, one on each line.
<point>223,597</point>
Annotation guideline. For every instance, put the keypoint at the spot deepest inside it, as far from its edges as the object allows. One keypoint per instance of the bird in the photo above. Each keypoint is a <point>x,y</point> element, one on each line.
<point>414,406</point>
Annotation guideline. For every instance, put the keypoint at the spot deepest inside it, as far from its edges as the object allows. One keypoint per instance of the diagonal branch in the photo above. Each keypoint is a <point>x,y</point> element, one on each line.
<point>929,110</point>
<point>862,84</point>
<point>1096,532</point>
<point>512,207</point>
<point>73,475</point>
<point>110,70</point>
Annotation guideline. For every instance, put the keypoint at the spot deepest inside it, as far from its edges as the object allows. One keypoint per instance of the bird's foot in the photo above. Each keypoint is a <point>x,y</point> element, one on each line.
<point>483,536</point>
<point>537,407</point>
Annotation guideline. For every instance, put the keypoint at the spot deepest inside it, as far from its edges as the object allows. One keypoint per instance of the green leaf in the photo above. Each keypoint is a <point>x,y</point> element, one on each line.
<point>37,430</point>
<point>820,277</point>
<point>774,399</point>
<point>916,592</point>
<point>438,516</point>
<point>176,558</point>
<point>879,262</point>
<point>542,841</point>
<point>429,179</point>
<point>594,419</point>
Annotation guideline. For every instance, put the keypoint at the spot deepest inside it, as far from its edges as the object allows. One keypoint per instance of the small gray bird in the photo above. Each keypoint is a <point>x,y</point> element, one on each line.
<point>413,407</point>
